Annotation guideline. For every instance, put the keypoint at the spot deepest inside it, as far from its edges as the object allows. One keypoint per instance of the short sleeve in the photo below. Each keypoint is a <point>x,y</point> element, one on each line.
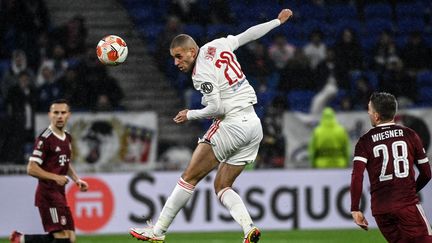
<point>39,151</point>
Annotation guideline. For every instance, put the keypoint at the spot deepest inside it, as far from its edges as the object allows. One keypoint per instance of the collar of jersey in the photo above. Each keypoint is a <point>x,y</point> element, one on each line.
<point>58,136</point>
<point>386,124</point>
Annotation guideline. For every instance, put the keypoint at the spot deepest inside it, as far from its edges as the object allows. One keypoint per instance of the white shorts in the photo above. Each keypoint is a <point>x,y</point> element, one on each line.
<point>235,139</point>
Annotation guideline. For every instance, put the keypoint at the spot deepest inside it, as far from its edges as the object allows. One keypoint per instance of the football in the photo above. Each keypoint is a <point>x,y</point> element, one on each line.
<point>112,50</point>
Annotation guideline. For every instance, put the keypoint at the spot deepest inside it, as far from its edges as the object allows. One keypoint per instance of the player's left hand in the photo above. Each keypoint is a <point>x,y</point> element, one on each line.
<point>82,185</point>
<point>360,220</point>
<point>181,116</point>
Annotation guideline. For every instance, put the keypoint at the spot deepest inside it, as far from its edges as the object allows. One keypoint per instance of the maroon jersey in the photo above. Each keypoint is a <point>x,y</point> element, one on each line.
<point>389,153</point>
<point>53,154</point>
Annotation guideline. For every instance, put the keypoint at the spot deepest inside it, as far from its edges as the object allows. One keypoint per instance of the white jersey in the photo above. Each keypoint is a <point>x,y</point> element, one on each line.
<point>217,72</point>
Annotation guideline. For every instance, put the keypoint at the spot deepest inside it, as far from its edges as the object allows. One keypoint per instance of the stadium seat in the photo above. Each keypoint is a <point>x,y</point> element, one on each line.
<point>408,10</point>
<point>378,25</point>
<point>195,30</point>
<point>313,12</point>
<point>424,79</point>
<point>406,26</point>
<point>4,65</point>
<point>150,33</point>
<point>370,75</point>
<point>219,30</point>
<point>341,11</point>
<point>300,100</point>
<point>425,96</point>
<point>353,24</point>
<point>144,15</point>
<point>378,10</point>
<point>312,25</point>
<point>336,101</point>
<point>195,100</point>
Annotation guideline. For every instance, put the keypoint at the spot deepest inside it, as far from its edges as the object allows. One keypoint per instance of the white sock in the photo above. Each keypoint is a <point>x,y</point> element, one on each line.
<point>178,198</point>
<point>232,201</point>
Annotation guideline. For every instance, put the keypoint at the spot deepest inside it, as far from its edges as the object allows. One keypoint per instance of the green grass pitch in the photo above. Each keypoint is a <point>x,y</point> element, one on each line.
<point>296,236</point>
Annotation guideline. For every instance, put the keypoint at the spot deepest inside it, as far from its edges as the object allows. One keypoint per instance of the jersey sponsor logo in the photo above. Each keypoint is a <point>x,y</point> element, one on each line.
<point>62,159</point>
<point>39,145</point>
<point>207,87</point>
<point>93,209</point>
<point>63,220</point>
<point>211,51</point>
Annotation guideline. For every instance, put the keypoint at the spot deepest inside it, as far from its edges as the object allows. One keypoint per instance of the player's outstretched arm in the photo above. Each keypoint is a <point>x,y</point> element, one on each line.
<point>257,31</point>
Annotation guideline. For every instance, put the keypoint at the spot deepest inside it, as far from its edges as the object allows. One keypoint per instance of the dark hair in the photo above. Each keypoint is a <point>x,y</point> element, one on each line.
<point>385,105</point>
<point>59,101</point>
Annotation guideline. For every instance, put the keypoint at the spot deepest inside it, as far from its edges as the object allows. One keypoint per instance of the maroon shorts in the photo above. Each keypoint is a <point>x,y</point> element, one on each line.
<point>404,225</point>
<point>56,219</point>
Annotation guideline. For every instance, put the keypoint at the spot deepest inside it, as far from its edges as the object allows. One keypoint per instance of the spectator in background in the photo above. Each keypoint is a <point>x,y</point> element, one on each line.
<point>73,36</point>
<point>316,49</point>
<point>416,54</point>
<point>49,87</point>
<point>329,146</point>
<point>281,51</point>
<point>397,81</point>
<point>187,10</point>
<point>20,23</point>
<point>173,27</point>
<point>106,93</point>
<point>258,63</point>
<point>297,74</point>
<point>18,65</point>
<point>57,61</point>
<point>75,89</point>
<point>348,52</point>
<point>384,51</point>
<point>362,91</point>
<point>220,12</point>
<point>330,68</point>
<point>21,103</point>
<point>272,148</point>
<point>44,46</point>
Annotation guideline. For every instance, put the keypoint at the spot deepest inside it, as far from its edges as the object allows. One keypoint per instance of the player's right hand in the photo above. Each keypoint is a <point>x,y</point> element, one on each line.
<point>284,15</point>
<point>360,220</point>
<point>61,180</point>
<point>181,116</point>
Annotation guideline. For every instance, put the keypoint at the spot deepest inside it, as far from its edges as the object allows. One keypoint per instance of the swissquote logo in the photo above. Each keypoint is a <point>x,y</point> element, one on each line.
<point>92,209</point>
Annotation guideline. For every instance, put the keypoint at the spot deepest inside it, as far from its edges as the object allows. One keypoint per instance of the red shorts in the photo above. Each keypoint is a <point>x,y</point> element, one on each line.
<point>56,219</point>
<point>407,224</point>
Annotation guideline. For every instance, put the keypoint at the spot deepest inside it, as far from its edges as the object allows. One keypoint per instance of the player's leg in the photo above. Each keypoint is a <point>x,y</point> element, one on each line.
<point>18,237</point>
<point>203,161</point>
<point>224,180</point>
<point>242,135</point>
<point>388,225</point>
<point>414,224</point>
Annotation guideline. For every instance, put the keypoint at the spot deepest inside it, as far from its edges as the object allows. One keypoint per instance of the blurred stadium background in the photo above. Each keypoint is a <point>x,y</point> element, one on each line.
<point>122,116</point>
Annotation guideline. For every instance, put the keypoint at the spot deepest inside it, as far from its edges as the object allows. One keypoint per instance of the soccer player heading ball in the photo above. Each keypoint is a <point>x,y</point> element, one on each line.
<point>389,152</point>
<point>232,141</point>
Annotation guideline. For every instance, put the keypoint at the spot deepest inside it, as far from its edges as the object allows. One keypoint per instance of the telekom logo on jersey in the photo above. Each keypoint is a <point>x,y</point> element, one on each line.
<point>92,209</point>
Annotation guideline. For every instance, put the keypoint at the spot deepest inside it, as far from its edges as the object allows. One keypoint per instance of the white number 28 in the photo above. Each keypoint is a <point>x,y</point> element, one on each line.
<point>399,151</point>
